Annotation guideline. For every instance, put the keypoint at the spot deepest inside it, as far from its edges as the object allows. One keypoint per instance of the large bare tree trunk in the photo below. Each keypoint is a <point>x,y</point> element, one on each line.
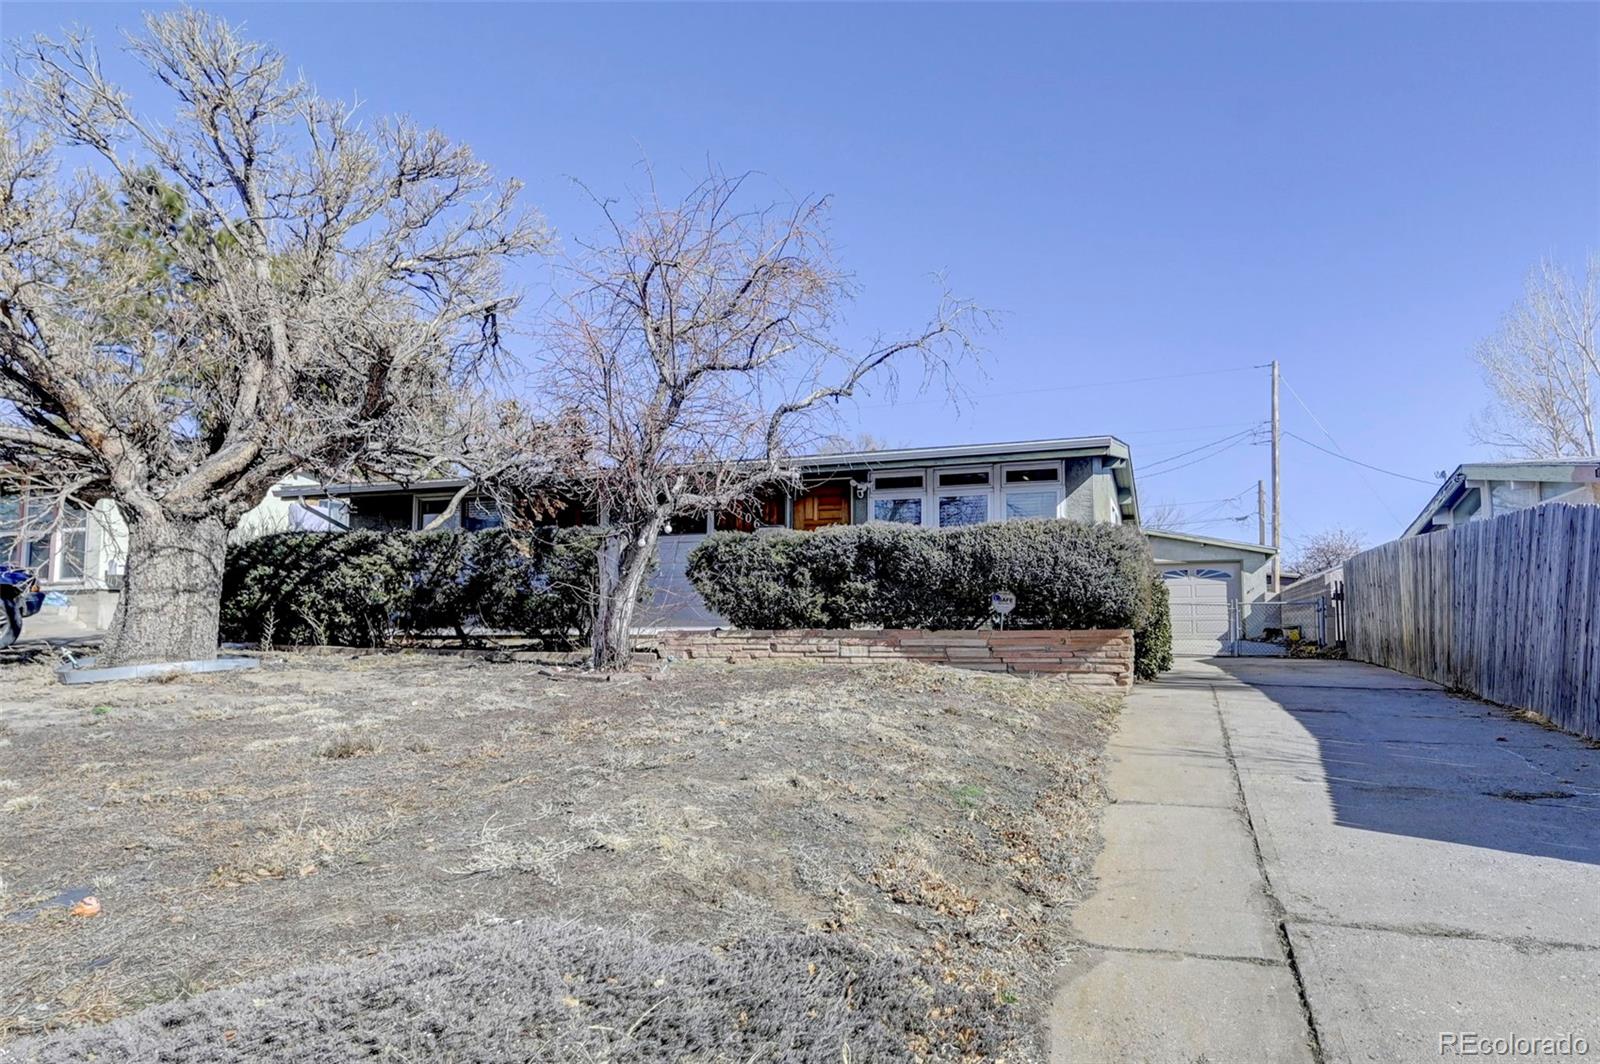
<point>171,598</point>
<point>624,563</point>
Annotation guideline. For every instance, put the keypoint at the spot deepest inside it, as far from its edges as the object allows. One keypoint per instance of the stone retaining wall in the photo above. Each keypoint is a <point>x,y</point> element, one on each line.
<point>1097,657</point>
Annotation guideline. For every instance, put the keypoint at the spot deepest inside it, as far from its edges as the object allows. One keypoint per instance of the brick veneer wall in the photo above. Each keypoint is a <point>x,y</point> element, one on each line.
<point>1095,657</point>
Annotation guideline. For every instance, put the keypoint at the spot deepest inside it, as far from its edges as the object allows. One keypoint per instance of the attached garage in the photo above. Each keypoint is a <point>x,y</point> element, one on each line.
<point>1213,584</point>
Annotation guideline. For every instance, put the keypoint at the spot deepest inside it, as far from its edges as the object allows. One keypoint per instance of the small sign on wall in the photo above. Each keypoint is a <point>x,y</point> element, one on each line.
<point>1002,602</point>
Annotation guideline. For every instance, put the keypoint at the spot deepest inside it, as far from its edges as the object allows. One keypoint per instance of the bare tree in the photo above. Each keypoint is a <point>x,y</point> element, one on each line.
<point>1327,549</point>
<point>264,285</point>
<point>1543,367</point>
<point>697,349</point>
<point>1165,517</point>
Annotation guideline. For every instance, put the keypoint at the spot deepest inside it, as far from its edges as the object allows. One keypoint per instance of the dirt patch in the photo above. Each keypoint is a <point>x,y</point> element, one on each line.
<point>237,826</point>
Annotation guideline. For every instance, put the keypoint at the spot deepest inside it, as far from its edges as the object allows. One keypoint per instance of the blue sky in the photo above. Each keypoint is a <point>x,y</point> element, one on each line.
<point>1158,195</point>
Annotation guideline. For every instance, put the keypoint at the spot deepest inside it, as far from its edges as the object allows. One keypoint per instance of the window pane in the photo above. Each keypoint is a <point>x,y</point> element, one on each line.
<point>901,511</point>
<point>1024,504</point>
<point>900,483</point>
<point>1031,476</point>
<point>479,514</point>
<point>957,510</point>
<point>686,524</point>
<point>428,509</point>
<point>36,556</point>
<point>962,480</point>
<point>381,513</point>
<point>72,549</point>
<point>1508,495</point>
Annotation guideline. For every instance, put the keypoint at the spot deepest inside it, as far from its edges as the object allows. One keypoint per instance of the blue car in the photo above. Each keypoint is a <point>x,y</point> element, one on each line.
<point>19,597</point>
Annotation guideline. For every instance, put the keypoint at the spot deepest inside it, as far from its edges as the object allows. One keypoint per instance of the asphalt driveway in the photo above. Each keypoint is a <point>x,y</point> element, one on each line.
<point>1325,860</point>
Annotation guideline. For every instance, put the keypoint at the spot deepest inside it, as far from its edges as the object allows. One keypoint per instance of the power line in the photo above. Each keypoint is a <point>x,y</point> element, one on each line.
<point>1184,454</point>
<point>1338,452</point>
<point>1182,428</point>
<point>1218,520</point>
<point>1069,387</point>
<point>1198,502</point>
<point>1196,461</point>
<point>1364,465</point>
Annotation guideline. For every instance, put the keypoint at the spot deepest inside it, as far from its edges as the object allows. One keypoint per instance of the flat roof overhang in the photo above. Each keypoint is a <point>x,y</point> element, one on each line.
<point>382,487</point>
<point>1115,451</point>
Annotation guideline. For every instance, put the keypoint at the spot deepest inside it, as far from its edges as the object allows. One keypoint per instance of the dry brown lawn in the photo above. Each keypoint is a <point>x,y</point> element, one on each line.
<point>326,809</point>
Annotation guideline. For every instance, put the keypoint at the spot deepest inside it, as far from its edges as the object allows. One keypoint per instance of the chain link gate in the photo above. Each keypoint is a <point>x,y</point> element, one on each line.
<point>1253,629</point>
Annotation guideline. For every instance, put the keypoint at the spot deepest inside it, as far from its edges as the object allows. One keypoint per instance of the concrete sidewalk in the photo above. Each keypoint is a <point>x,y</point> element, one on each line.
<point>1324,860</point>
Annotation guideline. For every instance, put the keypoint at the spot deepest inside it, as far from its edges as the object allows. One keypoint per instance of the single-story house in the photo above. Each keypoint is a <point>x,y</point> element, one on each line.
<point>1215,585</point>
<point>1481,490</point>
<point>1086,478</point>
<point>78,553</point>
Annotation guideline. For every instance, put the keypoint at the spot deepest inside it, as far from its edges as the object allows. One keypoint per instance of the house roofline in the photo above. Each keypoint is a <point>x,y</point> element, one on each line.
<point>1068,446</point>
<point>1579,470</point>
<point>1256,548</point>
<point>368,487</point>
<point>1444,491</point>
<point>1019,450</point>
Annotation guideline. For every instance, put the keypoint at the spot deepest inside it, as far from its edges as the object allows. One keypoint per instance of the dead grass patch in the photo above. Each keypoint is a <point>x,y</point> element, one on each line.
<point>347,742</point>
<point>333,808</point>
<point>300,848</point>
<point>493,853</point>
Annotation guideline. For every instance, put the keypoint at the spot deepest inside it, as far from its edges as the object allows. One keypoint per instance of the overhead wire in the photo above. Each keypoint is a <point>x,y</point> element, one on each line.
<point>1070,387</point>
<point>1364,465</point>
<point>1338,452</point>
<point>1254,427</point>
<point>1194,461</point>
<point>1226,498</point>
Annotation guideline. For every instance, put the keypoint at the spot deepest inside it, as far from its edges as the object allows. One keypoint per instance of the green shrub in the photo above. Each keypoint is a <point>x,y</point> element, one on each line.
<point>1152,641</point>
<point>1064,575</point>
<point>367,588</point>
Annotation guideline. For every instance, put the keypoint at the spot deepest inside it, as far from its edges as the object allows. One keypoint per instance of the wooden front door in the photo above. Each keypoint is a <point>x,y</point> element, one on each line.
<point>823,505</point>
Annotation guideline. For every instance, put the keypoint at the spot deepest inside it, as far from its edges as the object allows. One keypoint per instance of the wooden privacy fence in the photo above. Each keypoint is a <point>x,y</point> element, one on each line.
<point>1507,609</point>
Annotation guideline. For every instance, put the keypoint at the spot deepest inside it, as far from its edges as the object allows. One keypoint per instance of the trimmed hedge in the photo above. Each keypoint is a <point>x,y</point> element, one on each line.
<point>1064,574</point>
<point>1152,643</point>
<point>367,588</point>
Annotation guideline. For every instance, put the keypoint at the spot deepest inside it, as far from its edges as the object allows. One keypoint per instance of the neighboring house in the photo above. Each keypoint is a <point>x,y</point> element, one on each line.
<point>1474,492</point>
<point>74,551</point>
<point>1212,583</point>
<point>1087,479</point>
<point>79,553</point>
<point>1481,490</point>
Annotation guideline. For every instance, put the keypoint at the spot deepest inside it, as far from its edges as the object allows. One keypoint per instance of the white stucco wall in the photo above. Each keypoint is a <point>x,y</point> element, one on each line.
<point>105,553</point>
<point>270,515</point>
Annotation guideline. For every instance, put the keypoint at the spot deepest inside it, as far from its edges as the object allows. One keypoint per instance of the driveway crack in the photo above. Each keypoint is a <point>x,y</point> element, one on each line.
<point>1279,914</point>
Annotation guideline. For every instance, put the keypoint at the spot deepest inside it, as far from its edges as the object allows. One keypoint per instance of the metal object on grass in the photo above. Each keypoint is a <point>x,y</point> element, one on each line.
<point>82,670</point>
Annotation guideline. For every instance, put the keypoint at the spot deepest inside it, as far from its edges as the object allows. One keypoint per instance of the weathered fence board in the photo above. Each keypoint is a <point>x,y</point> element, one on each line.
<point>1507,609</point>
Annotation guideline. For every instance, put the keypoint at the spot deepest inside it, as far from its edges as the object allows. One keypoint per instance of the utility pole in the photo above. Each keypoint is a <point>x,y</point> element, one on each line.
<point>1277,491</point>
<point>1261,512</point>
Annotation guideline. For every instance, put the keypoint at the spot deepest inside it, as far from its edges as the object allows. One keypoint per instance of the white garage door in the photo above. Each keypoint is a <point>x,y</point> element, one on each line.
<point>1202,609</point>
